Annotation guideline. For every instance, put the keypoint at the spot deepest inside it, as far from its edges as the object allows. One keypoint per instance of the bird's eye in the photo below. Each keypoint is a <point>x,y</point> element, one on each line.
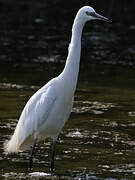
<point>88,13</point>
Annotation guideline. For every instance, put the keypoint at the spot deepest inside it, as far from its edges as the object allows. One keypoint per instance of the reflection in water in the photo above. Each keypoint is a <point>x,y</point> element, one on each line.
<point>16,86</point>
<point>91,107</point>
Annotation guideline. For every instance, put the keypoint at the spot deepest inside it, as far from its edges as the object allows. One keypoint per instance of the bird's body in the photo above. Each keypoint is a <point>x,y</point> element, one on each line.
<point>43,116</point>
<point>49,108</point>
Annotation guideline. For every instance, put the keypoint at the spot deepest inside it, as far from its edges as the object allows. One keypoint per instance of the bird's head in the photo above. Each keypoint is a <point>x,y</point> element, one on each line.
<point>88,13</point>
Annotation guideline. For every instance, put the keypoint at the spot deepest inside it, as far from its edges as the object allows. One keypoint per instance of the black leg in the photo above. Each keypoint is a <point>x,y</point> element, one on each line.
<point>31,156</point>
<point>52,156</point>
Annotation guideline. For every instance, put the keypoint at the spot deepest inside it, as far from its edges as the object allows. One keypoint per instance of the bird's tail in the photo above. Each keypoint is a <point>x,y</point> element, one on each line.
<point>10,147</point>
<point>13,145</point>
<point>18,141</point>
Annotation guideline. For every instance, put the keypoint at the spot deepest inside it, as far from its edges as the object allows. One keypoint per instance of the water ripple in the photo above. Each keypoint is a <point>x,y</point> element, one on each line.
<point>16,86</point>
<point>92,107</point>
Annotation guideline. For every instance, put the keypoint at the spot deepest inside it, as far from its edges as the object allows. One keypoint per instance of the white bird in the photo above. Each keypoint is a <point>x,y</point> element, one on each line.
<point>49,108</point>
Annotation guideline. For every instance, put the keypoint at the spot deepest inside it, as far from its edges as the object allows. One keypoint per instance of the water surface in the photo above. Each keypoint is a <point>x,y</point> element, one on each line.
<point>98,140</point>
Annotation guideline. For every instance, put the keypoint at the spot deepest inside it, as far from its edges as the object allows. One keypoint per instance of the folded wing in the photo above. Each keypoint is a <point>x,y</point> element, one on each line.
<point>35,113</point>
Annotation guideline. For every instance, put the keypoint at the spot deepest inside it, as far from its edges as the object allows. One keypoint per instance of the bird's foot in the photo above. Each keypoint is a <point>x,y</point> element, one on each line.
<point>29,169</point>
<point>52,168</point>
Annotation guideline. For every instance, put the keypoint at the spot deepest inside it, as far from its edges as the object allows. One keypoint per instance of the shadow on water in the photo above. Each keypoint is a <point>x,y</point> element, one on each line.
<point>98,140</point>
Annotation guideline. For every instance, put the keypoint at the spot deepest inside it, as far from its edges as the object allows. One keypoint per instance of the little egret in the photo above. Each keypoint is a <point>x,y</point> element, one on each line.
<point>48,109</point>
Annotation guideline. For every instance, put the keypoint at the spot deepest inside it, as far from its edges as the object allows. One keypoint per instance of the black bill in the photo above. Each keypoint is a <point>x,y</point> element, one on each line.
<point>98,16</point>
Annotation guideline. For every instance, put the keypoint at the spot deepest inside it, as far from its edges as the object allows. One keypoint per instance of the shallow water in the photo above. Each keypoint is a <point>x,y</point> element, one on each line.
<point>98,140</point>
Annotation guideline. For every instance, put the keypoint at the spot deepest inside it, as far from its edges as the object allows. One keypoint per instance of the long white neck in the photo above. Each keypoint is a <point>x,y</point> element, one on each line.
<point>71,70</point>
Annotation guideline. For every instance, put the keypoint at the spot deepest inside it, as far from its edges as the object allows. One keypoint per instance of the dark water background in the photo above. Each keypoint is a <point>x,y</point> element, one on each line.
<point>98,140</point>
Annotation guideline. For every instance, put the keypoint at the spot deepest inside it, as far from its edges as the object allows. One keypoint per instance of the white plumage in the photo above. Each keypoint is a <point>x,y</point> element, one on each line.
<point>48,109</point>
